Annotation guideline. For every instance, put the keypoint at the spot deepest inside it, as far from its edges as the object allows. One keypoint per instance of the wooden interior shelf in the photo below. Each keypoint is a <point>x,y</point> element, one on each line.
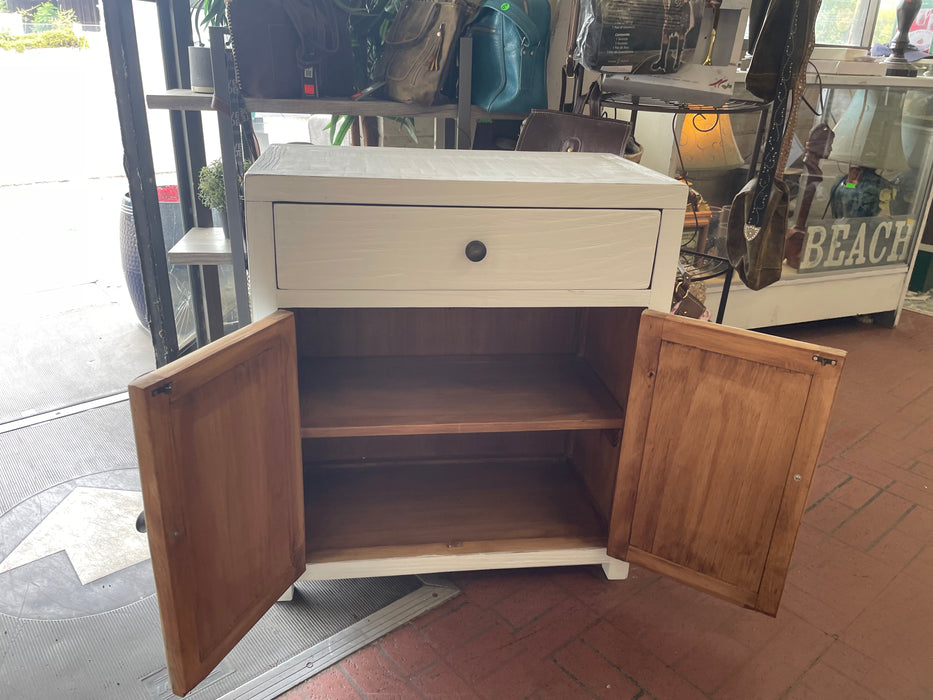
<point>343,397</point>
<point>447,508</point>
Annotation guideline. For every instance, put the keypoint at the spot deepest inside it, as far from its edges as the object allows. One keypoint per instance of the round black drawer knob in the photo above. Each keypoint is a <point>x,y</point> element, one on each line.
<point>476,250</point>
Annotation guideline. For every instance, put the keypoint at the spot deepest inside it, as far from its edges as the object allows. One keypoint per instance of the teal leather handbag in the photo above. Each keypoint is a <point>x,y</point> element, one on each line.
<point>510,45</point>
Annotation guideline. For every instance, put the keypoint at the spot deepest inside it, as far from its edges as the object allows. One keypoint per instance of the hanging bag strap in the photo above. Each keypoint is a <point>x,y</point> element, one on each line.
<point>591,102</point>
<point>571,70</point>
<point>793,62</point>
<point>775,137</point>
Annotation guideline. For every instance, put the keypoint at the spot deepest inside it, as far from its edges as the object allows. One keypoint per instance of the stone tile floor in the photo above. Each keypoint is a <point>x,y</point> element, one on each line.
<point>856,621</point>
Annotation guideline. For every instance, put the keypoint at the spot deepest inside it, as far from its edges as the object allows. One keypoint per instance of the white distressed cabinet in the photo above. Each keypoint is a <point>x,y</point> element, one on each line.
<point>462,361</point>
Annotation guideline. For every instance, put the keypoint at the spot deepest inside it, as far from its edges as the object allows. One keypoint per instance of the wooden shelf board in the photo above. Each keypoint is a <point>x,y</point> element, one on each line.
<point>180,99</point>
<point>447,509</point>
<point>194,101</point>
<point>202,246</point>
<point>343,397</point>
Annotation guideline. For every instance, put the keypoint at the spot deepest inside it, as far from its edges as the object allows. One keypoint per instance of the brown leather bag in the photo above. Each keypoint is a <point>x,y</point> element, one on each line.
<point>553,130</point>
<point>757,252</point>
<point>421,46</point>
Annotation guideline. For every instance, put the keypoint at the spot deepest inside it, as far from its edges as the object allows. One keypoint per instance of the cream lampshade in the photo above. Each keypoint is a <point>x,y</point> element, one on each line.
<point>868,135</point>
<point>711,156</point>
<point>707,143</point>
<point>868,139</point>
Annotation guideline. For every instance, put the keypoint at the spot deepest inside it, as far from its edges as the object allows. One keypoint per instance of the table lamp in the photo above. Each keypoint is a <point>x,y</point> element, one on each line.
<point>711,156</point>
<point>905,14</point>
<point>868,140</point>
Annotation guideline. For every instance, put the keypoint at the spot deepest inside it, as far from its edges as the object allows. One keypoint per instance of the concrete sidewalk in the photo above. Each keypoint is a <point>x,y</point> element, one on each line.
<point>68,332</point>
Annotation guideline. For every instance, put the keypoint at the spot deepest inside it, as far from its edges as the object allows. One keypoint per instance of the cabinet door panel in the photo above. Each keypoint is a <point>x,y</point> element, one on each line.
<point>217,433</point>
<point>722,434</point>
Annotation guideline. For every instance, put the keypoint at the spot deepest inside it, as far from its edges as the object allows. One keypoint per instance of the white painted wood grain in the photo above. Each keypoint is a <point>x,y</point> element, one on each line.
<point>433,564</point>
<point>798,298</point>
<point>202,246</point>
<point>422,248</point>
<point>261,247</point>
<point>322,174</point>
<point>381,299</point>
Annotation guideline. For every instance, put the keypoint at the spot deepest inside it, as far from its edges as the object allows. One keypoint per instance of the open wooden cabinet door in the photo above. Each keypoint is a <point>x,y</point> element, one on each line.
<point>722,435</point>
<point>217,434</point>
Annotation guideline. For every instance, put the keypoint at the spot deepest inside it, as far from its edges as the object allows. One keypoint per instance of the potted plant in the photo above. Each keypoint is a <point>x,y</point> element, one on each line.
<point>211,190</point>
<point>205,13</point>
<point>172,231</point>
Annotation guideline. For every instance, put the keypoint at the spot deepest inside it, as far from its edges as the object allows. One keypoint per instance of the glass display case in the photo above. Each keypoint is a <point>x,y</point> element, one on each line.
<point>859,174</point>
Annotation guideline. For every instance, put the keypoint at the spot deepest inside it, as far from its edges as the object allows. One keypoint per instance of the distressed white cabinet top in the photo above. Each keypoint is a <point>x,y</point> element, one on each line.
<point>416,176</point>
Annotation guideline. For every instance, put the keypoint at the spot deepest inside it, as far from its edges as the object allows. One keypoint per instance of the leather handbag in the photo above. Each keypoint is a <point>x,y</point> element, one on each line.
<point>757,227</point>
<point>265,46</point>
<point>786,27</point>
<point>421,48</point>
<point>276,41</point>
<point>689,299</point>
<point>325,54</point>
<point>510,48</point>
<point>553,130</point>
<point>757,252</point>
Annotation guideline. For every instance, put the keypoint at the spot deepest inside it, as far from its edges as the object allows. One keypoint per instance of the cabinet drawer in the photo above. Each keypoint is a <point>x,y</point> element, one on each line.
<point>334,246</point>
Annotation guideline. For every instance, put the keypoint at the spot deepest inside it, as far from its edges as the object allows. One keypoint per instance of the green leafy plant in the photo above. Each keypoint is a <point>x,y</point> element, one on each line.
<point>340,125</point>
<point>215,13</point>
<point>3,6</point>
<point>52,39</point>
<point>208,13</point>
<point>369,22</point>
<point>211,185</point>
<point>46,13</point>
<point>52,29</point>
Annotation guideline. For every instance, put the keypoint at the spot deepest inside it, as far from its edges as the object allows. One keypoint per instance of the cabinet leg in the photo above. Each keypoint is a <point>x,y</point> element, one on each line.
<point>616,569</point>
<point>287,595</point>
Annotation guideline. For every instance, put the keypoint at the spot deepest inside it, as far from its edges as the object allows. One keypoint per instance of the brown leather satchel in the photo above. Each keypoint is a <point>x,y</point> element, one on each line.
<point>553,130</point>
<point>421,47</point>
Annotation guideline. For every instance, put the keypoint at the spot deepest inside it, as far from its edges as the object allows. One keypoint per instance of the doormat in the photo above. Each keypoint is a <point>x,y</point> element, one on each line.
<point>80,619</point>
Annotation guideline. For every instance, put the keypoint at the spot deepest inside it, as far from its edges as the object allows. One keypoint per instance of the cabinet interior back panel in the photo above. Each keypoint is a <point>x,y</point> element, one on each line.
<point>423,248</point>
<point>447,508</point>
<point>443,331</point>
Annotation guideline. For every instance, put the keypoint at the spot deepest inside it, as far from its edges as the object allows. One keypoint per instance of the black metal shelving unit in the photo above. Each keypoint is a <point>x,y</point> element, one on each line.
<point>185,107</point>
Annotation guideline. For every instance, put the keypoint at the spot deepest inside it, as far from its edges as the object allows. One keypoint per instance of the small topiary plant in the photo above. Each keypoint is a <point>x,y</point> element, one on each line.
<point>211,185</point>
